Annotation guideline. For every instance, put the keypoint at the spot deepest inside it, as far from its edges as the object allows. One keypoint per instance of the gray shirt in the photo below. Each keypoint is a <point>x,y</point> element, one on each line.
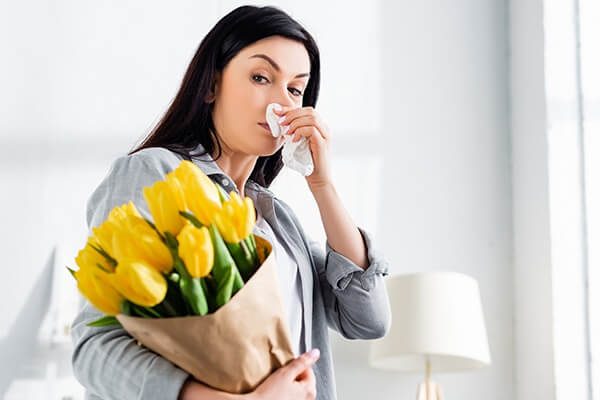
<point>289,283</point>
<point>336,293</point>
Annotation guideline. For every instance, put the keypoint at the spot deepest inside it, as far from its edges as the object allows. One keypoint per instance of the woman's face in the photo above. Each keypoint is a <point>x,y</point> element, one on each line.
<point>271,70</point>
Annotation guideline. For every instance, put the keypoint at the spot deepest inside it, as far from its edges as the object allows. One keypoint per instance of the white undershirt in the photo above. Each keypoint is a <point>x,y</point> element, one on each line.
<point>289,283</point>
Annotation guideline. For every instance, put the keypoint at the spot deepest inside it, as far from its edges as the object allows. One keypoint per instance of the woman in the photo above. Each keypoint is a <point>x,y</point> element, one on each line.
<point>252,57</point>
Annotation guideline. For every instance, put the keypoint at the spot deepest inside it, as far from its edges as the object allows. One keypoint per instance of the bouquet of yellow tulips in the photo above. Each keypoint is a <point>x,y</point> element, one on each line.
<point>194,272</point>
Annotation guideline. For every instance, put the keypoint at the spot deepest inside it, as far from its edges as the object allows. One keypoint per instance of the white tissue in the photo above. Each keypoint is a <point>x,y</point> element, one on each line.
<point>296,155</point>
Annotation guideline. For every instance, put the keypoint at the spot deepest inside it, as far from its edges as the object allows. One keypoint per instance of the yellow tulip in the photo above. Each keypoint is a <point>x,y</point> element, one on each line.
<point>196,250</point>
<point>103,234</point>
<point>236,218</point>
<point>164,207</point>
<point>135,239</point>
<point>89,258</point>
<point>103,296</point>
<point>201,194</point>
<point>226,225</point>
<point>139,283</point>
<point>124,211</point>
<point>177,189</point>
<point>95,283</point>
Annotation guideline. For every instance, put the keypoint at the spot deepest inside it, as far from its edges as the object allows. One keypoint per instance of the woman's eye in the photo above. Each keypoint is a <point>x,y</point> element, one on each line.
<point>296,92</point>
<point>261,80</point>
<point>257,78</point>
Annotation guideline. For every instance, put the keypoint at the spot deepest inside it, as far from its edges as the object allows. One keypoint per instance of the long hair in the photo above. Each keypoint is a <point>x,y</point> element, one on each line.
<point>188,120</point>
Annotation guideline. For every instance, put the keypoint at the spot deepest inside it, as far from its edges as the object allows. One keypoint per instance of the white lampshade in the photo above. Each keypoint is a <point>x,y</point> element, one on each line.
<point>436,316</point>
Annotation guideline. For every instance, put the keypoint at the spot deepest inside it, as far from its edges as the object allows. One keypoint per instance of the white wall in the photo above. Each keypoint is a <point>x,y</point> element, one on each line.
<point>446,203</point>
<point>550,214</point>
<point>534,356</point>
<point>415,91</point>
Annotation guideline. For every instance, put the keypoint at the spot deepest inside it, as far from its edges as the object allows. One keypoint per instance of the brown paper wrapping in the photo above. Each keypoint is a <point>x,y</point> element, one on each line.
<point>233,349</point>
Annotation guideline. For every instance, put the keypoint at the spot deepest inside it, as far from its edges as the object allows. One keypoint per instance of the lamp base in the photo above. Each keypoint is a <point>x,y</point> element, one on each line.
<point>429,390</point>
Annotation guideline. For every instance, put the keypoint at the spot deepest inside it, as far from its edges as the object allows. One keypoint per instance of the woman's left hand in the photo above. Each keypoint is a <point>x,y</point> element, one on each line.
<point>306,122</point>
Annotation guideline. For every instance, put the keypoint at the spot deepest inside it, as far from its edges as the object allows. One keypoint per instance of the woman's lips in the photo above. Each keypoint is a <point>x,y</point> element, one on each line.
<point>265,126</point>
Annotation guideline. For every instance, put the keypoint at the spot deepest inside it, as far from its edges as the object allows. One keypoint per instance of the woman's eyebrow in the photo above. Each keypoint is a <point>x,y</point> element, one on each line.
<point>274,64</point>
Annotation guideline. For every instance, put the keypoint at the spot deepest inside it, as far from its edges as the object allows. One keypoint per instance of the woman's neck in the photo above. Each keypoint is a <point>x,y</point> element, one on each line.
<point>237,166</point>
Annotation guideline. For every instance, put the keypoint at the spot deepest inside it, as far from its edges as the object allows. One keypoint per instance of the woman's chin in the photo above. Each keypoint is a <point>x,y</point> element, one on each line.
<point>269,150</point>
<point>267,145</point>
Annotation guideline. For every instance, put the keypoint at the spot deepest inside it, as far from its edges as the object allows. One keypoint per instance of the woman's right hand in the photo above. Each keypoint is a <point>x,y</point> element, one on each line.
<point>294,381</point>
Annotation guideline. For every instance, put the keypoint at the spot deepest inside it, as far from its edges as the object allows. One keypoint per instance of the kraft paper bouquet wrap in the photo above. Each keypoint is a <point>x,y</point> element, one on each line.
<point>194,284</point>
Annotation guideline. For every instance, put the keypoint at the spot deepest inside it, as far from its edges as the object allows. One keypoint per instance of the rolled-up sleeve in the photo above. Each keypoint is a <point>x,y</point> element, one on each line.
<point>355,299</point>
<point>107,361</point>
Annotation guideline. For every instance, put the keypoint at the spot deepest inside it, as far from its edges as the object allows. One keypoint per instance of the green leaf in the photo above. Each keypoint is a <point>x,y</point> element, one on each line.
<point>101,267</point>
<point>175,299</point>
<point>210,292</point>
<point>225,272</point>
<point>72,271</point>
<point>243,259</point>
<point>160,235</point>
<point>104,321</point>
<point>171,241</point>
<point>223,196</point>
<point>192,218</point>
<point>146,312</point>
<point>126,307</point>
<point>100,250</point>
<point>193,292</point>
<point>225,288</point>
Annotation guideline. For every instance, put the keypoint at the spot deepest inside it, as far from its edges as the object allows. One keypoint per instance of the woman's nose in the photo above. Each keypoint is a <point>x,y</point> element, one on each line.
<point>283,97</point>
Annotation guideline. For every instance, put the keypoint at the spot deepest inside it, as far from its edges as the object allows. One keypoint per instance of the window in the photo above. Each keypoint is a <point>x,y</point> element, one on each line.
<point>573,104</point>
<point>589,31</point>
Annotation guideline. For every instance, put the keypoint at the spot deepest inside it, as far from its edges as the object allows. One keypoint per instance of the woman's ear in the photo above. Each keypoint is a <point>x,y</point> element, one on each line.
<point>212,94</point>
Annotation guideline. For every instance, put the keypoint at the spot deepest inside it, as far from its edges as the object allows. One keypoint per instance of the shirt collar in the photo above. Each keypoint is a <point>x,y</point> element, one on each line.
<point>208,165</point>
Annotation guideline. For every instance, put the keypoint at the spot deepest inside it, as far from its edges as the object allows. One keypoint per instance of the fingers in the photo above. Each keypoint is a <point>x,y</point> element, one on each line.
<point>285,109</point>
<point>311,383</point>
<point>307,376</point>
<point>307,132</point>
<point>304,375</point>
<point>305,120</point>
<point>301,119</point>
<point>291,113</point>
<point>308,381</point>
<point>307,116</point>
<point>297,366</point>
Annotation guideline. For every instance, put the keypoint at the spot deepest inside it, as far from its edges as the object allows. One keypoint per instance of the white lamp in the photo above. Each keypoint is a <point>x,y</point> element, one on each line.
<point>437,325</point>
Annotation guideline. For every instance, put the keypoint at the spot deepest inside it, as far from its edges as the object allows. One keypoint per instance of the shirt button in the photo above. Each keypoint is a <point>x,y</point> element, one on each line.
<point>225,182</point>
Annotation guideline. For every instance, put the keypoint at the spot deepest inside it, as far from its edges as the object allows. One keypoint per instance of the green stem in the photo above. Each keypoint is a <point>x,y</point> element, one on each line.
<point>225,272</point>
<point>152,312</point>
<point>251,243</point>
<point>146,312</point>
<point>171,311</point>
<point>104,321</point>
<point>210,293</point>
<point>192,218</point>
<point>243,259</point>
